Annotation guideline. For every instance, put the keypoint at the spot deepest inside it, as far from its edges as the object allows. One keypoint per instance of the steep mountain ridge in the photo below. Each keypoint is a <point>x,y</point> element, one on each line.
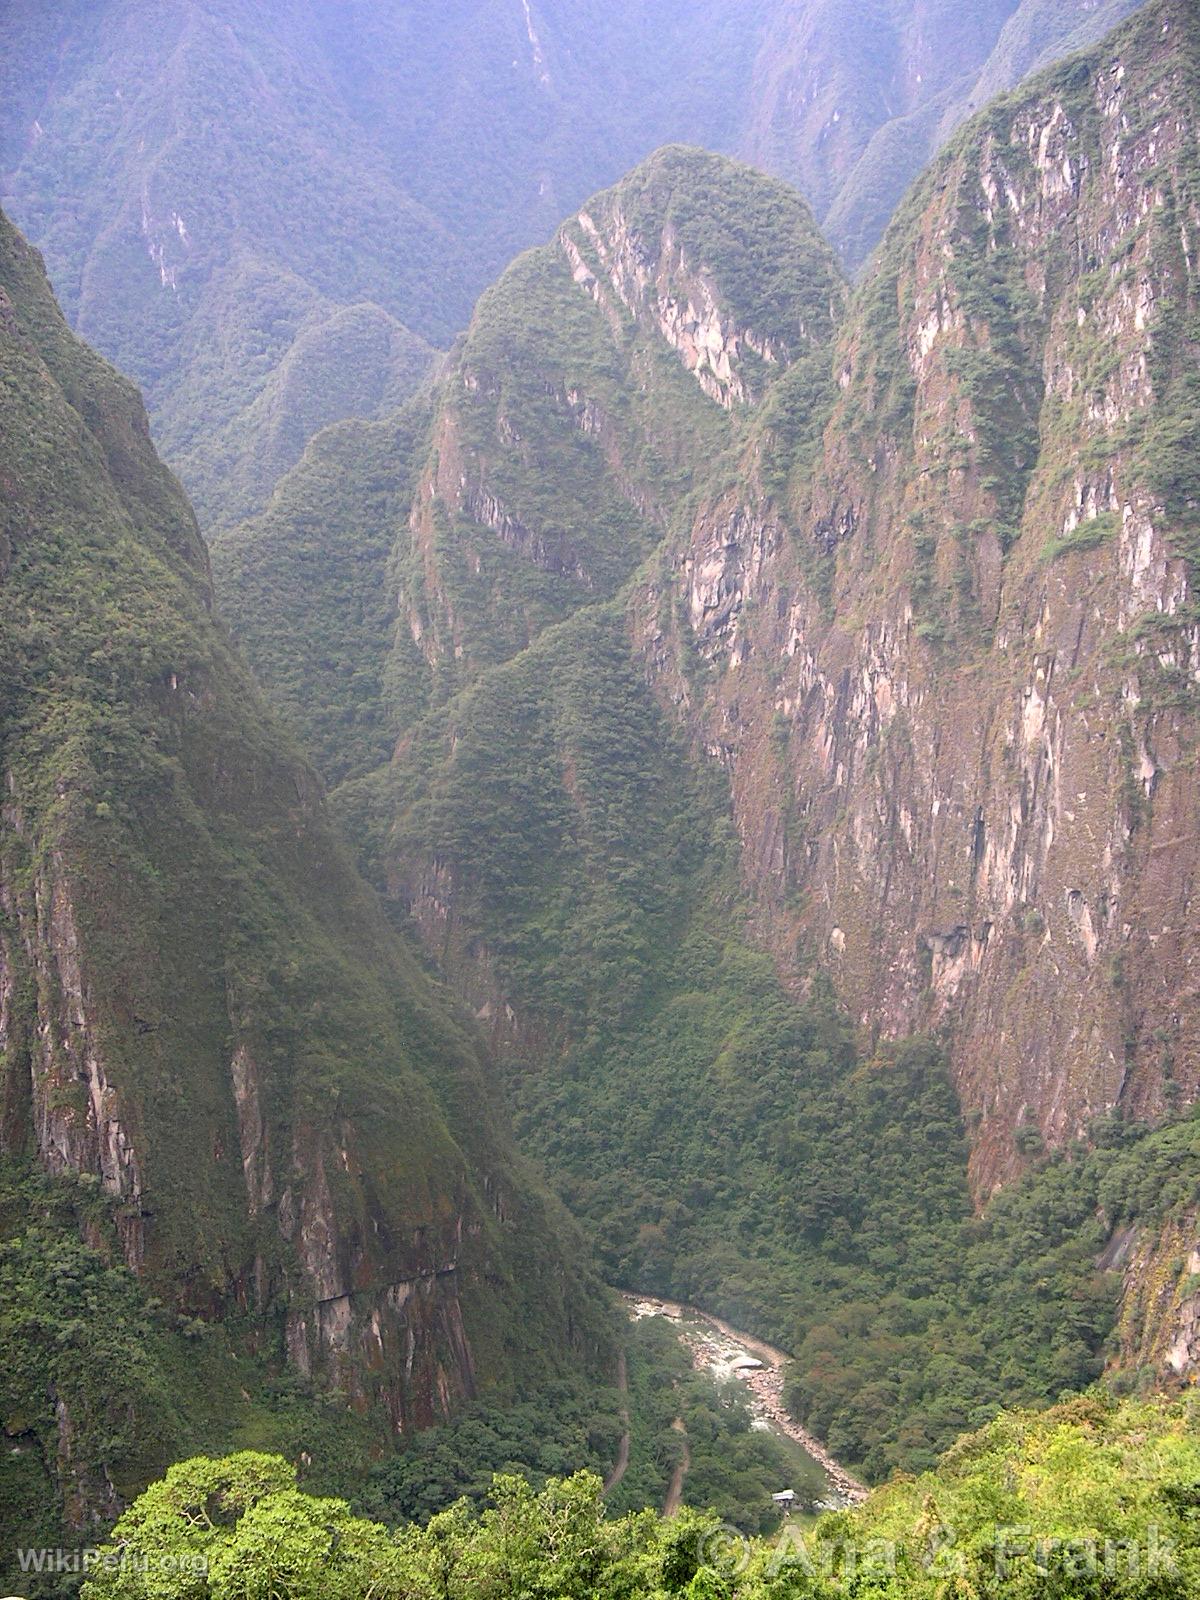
<point>266,394</point>
<point>206,1023</point>
<point>571,431</point>
<point>570,426</point>
<point>905,77</point>
<point>575,755</point>
<point>309,591</point>
<point>953,665</point>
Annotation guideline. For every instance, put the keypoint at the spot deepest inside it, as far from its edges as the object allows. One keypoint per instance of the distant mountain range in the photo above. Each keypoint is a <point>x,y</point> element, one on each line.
<point>266,213</point>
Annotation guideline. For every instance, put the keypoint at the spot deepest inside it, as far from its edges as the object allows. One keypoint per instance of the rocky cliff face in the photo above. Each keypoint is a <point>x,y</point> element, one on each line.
<point>953,667</point>
<point>573,421</point>
<point>950,667</point>
<point>850,103</point>
<point>201,1006</point>
<point>943,614</point>
<point>1160,1322</point>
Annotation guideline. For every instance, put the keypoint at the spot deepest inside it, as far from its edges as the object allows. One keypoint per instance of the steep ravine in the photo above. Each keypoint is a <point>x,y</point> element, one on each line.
<point>742,682</point>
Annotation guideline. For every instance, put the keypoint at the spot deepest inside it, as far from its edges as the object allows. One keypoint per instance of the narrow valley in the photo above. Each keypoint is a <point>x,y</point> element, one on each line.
<point>599,684</point>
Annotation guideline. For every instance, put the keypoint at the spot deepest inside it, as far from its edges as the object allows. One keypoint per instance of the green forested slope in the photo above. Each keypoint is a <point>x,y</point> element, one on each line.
<point>309,588</point>
<point>104,1385</point>
<point>725,1143</point>
<point>569,436</point>
<point>577,421</point>
<point>557,814</point>
<point>253,398</point>
<point>256,1104</point>
<point>215,186</point>
<point>271,1112</point>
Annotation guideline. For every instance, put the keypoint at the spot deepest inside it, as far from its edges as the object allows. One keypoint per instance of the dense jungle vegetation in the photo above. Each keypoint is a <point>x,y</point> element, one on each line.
<point>1093,1501</point>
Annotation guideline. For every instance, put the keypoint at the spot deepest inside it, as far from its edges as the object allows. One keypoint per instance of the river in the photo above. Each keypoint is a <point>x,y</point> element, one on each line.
<point>758,1368</point>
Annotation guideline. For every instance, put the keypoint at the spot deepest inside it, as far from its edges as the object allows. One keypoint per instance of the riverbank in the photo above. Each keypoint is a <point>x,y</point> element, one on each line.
<point>730,1354</point>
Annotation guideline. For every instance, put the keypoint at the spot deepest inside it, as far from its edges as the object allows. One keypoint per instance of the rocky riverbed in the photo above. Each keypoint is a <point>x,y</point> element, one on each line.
<point>732,1356</point>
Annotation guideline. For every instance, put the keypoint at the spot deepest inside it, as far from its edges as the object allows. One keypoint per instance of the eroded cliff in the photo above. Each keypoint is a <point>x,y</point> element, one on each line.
<point>727,620</point>
<point>202,1009</point>
<point>953,666</point>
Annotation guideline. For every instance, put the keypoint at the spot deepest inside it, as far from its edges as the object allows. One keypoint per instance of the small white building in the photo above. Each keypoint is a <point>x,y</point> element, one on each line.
<point>785,1499</point>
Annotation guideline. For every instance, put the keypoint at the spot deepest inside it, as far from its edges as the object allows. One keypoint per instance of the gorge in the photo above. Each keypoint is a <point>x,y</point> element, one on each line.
<point>920,628</point>
<point>680,778</point>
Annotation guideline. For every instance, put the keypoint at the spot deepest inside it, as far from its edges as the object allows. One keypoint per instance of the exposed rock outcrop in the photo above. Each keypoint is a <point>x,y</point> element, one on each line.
<point>1160,1322</point>
<point>917,577</point>
<point>955,668</point>
<point>572,421</point>
<point>652,280</point>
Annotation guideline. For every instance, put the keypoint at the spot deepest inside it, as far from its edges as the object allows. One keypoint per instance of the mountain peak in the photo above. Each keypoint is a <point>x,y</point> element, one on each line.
<point>726,262</point>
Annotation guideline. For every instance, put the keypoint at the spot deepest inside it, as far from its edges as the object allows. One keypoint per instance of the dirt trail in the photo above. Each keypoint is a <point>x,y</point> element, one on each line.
<point>621,1464</point>
<point>675,1488</point>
